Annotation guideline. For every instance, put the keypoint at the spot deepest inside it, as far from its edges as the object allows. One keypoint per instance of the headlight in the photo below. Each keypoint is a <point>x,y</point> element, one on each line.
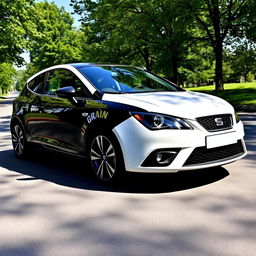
<point>237,117</point>
<point>158,121</point>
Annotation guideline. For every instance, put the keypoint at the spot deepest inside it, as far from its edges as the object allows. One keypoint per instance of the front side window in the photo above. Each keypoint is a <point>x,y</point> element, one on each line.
<point>122,79</point>
<point>62,78</point>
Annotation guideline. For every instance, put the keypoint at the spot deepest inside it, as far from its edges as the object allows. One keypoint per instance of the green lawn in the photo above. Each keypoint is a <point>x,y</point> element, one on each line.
<point>2,97</point>
<point>236,94</point>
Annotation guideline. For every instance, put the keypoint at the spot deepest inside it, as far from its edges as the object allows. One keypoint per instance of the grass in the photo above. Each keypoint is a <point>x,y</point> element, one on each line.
<point>236,94</point>
<point>2,95</point>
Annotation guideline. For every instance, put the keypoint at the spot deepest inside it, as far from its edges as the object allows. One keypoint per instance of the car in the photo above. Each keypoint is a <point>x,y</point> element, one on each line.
<point>123,118</point>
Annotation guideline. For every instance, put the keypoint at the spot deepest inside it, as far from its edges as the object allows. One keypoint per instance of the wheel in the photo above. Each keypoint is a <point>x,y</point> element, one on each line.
<point>19,141</point>
<point>106,157</point>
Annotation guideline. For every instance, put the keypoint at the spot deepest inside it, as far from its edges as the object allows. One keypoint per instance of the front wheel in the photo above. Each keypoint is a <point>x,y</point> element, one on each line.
<point>106,157</point>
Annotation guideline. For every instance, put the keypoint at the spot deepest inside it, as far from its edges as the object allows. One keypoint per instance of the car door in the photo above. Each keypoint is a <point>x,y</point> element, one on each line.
<point>59,120</point>
<point>32,107</point>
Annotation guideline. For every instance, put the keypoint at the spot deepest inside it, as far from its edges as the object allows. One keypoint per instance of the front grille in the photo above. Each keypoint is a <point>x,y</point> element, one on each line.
<point>202,155</point>
<point>216,122</point>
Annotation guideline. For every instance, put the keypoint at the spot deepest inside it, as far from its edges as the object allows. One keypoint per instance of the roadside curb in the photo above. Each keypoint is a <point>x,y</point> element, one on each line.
<point>245,108</point>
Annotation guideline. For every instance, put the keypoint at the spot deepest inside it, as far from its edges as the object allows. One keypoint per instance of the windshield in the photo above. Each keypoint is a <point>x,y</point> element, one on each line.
<point>122,79</point>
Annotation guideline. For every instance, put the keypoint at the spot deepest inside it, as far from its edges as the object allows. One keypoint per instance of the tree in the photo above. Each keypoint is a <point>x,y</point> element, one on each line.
<point>7,74</point>
<point>15,25</point>
<point>197,66</point>
<point>23,75</point>
<point>152,33</point>
<point>217,20</point>
<point>242,60</point>
<point>55,40</point>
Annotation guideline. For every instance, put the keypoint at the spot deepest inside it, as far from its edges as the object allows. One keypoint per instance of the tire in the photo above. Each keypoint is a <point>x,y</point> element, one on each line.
<point>105,157</point>
<point>19,142</point>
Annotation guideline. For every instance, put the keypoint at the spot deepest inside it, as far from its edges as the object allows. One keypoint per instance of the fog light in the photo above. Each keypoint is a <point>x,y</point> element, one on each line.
<point>161,157</point>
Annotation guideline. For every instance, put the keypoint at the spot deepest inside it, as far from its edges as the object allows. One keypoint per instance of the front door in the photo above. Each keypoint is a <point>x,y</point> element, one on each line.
<point>60,120</point>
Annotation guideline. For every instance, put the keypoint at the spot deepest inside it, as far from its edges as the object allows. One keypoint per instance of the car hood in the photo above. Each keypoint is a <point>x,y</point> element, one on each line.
<point>184,104</point>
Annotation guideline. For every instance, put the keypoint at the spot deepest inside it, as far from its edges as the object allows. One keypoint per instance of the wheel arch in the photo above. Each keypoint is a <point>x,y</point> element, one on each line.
<point>97,126</point>
<point>15,120</point>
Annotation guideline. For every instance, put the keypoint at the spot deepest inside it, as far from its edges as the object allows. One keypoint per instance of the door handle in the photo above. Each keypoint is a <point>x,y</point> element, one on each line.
<point>25,107</point>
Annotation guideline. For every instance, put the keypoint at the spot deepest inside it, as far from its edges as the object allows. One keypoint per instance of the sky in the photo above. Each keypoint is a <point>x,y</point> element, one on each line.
<point>68,8</point>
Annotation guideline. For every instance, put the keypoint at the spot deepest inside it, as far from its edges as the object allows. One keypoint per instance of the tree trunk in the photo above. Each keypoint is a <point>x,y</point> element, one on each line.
<point>147,58</point>
<point>217,43</point>
<point>172,71</point>
<point>218,67</point>
<point>175,69</point>
<point>245,75</point>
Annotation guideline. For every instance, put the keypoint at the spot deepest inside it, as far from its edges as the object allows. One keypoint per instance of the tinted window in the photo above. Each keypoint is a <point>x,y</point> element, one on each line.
<point>37,84</point>
<point>120,79</point>
<point>62,78</point>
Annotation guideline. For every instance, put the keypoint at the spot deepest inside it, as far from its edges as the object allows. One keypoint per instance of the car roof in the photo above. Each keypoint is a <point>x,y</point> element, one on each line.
<point>80,65</point>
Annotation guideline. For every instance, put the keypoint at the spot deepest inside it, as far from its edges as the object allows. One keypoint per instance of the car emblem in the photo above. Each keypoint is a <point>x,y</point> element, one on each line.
<point>219,121</point>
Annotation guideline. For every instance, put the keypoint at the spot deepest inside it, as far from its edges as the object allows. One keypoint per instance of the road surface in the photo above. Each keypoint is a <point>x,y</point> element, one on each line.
<point>48,207</point>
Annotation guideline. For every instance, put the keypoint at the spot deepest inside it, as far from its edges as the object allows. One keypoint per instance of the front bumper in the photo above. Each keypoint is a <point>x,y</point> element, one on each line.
<point>137,143</point>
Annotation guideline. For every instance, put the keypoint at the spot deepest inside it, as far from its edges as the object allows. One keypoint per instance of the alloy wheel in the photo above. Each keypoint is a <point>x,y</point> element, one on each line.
<point>103,158</point>
<point>18,140</point>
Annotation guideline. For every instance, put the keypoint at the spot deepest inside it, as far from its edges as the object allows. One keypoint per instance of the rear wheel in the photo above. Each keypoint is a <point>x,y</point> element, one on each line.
<point>106,157</point>
<point>19,141</point>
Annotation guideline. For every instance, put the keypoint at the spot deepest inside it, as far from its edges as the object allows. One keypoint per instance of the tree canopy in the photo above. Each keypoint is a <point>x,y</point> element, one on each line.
<point>187,41</point>
<point>55,40</point>
<point>217,19</point>
<point>7,74</point>
<point>15,25</point>
<point>162,31</point>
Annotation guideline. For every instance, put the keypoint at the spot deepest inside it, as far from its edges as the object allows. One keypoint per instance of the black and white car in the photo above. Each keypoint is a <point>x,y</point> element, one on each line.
<point>124,118</point>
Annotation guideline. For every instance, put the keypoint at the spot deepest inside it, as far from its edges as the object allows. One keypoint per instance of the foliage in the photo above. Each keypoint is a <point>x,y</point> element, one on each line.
<point>15,25</point>
<point>217,19</point>
<point>23,75</point>
<point>7,74</point>
<point>149,33</point>
<point>197,66</point>
<point>242,60</point>
<point>187,41</point>
<point>55,41</point>
<point>159,33</point>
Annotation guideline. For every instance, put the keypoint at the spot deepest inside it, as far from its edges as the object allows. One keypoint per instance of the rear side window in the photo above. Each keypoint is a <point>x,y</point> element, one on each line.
<point>37,84</point>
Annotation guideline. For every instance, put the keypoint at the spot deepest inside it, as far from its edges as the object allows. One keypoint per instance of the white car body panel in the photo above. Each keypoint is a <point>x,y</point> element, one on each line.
<point>184,104</point>
<point>137,142</point>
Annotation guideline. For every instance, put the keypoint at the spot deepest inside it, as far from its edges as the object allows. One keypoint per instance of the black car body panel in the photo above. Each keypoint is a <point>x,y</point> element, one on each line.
<point>62,123</point>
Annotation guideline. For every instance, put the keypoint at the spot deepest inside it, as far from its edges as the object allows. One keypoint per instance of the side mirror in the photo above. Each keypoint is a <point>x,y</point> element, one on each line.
<point>66,92</point>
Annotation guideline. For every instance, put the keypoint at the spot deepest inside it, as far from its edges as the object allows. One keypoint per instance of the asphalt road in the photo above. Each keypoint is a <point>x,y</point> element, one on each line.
<point>48,207</point>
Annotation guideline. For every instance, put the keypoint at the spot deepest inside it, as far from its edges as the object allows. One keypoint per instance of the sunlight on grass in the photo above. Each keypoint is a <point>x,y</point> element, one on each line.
<point>236,94</point>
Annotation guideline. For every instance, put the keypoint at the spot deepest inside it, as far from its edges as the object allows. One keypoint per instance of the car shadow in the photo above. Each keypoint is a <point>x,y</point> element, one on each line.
<point>71,172</point>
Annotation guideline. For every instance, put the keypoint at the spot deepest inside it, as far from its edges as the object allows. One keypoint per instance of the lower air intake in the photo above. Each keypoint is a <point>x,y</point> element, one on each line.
<point>202,155</point>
